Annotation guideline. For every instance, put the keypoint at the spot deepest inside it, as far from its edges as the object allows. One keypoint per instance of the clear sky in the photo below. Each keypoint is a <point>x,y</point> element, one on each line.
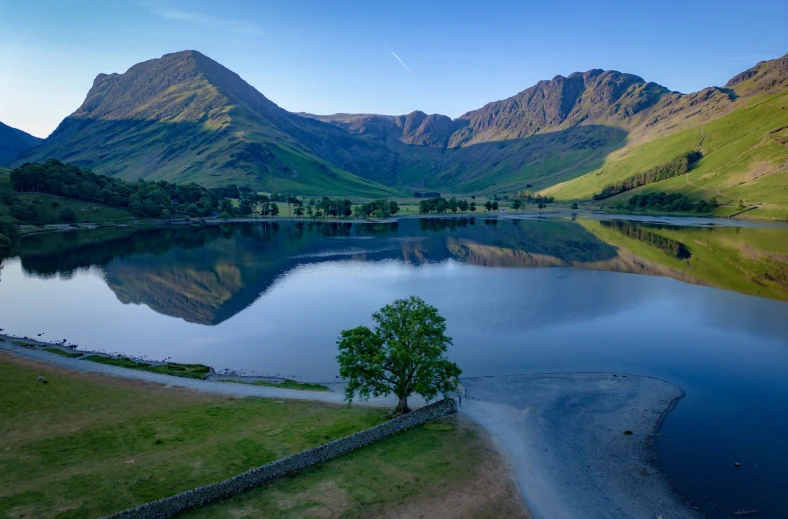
<point>327,56</point>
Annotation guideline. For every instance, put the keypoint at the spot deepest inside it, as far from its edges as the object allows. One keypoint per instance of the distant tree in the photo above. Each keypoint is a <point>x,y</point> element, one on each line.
<point>741,205</point>
<point>463,205</point>
<point>441,205</point>
<point>299,210</point>
<point>405,353</point>
<point>245,208</point>
<point>472,206</point>
<point>517,204</point>
<point>393,207</point>
<point>453,205</point>
<point>574,206</point>
<point>274,210</point>
<point>541,205</point>
<point>67,215</point>
<point>488,206</point>
<point>494,205</point>
<point>424,207</point>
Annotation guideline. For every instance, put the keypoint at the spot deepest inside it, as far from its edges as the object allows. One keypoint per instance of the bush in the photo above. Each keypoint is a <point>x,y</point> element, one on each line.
<point>67,215</point>
<point>26,212</point>
<point>5,244</point>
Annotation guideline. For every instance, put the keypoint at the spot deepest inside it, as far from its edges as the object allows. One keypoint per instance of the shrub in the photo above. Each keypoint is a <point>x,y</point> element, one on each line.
<point>5,244</point>
<point>67,215</point>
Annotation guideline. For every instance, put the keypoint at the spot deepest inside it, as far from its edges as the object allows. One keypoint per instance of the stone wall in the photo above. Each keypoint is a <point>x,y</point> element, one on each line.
<point>169,506</point>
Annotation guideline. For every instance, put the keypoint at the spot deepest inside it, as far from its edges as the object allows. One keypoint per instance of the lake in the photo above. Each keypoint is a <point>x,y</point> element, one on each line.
<point>702,305</point>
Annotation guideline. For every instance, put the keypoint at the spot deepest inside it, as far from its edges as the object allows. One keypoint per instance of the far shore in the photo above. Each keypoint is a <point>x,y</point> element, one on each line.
<point>579,444</point>
<point>27,230</point>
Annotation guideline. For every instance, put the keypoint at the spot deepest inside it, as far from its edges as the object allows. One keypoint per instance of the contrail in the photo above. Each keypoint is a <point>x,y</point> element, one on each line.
<point>403,63</point>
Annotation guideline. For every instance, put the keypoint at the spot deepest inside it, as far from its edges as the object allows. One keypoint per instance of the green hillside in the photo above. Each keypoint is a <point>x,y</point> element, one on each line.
<point>745,157</point>
<point>48,208</point>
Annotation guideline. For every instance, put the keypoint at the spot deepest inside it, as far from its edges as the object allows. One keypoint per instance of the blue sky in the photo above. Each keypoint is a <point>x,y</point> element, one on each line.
<point>330,55</point>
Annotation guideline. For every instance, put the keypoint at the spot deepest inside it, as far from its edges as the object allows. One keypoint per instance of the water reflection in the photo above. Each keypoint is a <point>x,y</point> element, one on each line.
<point>208,274</point>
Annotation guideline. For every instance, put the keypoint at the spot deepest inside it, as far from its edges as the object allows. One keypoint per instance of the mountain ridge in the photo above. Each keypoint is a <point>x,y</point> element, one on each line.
<point>185,117</point>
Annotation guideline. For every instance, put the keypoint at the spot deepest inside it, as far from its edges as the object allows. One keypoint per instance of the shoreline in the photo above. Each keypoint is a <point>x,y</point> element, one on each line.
<point>579,444</point>
<point>664,219</point>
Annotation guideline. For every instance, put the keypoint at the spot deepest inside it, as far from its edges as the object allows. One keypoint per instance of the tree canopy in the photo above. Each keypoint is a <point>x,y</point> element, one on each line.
<point>405,353</point>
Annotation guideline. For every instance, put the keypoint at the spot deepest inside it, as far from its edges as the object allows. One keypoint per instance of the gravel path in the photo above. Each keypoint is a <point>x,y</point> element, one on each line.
<point>335,396</point>
<point>562,434</point>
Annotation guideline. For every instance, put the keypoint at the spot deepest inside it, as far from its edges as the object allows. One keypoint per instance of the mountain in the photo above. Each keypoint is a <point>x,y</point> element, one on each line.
<point>184,117</point>
<point>741,130</point>
<point>13,142</point>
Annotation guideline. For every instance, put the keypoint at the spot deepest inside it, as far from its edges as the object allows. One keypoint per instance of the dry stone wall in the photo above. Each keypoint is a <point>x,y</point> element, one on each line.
<point>169,506</point>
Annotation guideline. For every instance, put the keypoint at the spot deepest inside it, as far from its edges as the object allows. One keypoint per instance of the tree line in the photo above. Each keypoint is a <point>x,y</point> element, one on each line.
<point>439,204</point>
<point>674,202</point>
<point>678,166</point>
<point>141,198</point>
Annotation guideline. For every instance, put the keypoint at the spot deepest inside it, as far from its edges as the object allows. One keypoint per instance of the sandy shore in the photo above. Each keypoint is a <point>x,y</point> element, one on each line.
<point>566,438</point>
<point>562,434</point>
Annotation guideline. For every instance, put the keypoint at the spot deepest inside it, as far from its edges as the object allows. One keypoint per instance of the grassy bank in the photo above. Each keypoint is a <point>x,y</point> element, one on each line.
<point>285,384</point>
<point>198,371</point>
<point>86,445</point>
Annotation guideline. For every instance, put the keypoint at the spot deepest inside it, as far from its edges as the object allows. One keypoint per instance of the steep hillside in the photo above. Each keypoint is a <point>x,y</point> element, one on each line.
<point>186,118</point>
<point>13,142</point>
<point>745,149</point>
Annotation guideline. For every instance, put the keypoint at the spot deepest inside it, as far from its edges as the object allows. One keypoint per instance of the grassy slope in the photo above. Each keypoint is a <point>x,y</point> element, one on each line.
<point>742,159</point>
<point>86,446</point>
<point>86,211</point>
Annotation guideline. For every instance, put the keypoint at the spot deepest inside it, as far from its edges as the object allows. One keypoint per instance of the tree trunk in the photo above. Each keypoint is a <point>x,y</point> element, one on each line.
<point>402,406</point>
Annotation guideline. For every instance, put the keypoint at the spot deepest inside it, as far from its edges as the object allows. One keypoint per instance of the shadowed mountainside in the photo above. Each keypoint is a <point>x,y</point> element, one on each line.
<point>13,142</point>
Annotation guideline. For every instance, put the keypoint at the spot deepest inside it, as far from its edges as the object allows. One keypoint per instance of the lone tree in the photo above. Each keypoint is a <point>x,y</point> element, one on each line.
<point>402,355</point>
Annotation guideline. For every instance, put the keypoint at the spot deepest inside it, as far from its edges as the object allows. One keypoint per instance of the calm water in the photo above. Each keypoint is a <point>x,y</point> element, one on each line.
<point>703,307</point>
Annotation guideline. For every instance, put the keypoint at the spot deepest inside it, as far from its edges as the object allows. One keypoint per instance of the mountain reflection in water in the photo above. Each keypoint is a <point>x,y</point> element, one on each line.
<point>208,274</point>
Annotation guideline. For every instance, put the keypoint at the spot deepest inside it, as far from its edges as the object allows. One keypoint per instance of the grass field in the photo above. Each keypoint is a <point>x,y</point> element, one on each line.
<point>86,445</point>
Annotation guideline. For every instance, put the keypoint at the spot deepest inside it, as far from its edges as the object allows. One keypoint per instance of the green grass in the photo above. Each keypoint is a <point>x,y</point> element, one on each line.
<point>745,157</point>
<point>64,353</point>
<point>49,206</point>
<point>364,483</point>
<point>286,384</point>
<point>197,371</point>
<point>85,446</point>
